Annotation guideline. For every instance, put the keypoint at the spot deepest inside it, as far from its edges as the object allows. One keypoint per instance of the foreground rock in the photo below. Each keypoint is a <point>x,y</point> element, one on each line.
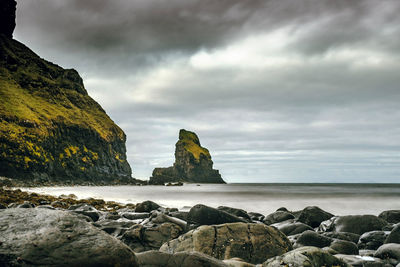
<point>192,163</point>
<point>357,224</point>
<point>182,259</point>
<point>254,243</point>
<point>58,238</point>
<point>305,256</point>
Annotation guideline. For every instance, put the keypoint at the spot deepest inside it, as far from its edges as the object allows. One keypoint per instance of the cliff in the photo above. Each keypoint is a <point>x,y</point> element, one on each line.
<point>192,163</point>
<point>51,130</point>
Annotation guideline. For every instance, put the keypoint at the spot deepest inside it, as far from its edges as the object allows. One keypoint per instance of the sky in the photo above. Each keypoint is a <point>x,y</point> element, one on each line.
<point>279,91</point>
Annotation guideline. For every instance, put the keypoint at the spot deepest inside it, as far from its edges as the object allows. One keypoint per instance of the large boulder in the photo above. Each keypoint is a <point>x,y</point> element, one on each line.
<point>290,227</point>
<point>313,216</point>
<point>344,247</point>
<point>7,17</point>
<point>305,256</point>
<point>357,224</point>
<point>204,215</point>
<point>253,243</point>
<point>392,216</point>
<point>46,237</point>
<point>311,238</point>
<point>277,216</point>
<point>388,251</point>
<point>146,206</point>
<point>372,240</point>
<point>140,238</point>
<point>394,236</point>
<point>181,259</point>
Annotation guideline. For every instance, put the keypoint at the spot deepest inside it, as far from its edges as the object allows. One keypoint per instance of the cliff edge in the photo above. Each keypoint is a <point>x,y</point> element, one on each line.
<point>192,163</point>
<point>51,130</point>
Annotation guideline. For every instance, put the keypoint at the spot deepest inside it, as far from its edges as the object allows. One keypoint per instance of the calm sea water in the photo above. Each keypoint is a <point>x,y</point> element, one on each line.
<point>339,199</point>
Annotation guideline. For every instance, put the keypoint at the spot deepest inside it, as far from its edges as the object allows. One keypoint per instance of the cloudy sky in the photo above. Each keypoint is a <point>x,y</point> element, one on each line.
<point>279,91</point>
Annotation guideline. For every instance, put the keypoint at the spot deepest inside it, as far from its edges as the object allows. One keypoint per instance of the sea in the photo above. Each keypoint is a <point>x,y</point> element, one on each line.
<point>339,199</point>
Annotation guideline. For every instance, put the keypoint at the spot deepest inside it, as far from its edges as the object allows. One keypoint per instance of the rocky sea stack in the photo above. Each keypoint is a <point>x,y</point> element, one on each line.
<point>193,163</point>
<point>51,130</point>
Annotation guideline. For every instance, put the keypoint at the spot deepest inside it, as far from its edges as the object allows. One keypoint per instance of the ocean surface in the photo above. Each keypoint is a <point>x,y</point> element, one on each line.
<point>339,199</point>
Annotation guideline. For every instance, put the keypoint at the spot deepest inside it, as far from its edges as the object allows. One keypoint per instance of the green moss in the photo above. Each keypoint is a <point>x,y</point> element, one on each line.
<point>191,144</point>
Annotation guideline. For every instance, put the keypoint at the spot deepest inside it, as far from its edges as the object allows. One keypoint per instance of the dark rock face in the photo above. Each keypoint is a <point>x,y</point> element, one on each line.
<point>7,17</point>
<point>290,227</point>
<point>237,212</point>
<point>344,247</point>
<point>311,238</point>
<point>394,236</point>
<point>313,216</point>
<point>51,130</point>
<point>146,206</point>
<point>389,251</point>
<point>372,240</point>
<point>278,216</point>
<point>357,224</point>
<point>43,237</point>
<point>192,163</point>
<point>254,243</point>
<point>204,215</point>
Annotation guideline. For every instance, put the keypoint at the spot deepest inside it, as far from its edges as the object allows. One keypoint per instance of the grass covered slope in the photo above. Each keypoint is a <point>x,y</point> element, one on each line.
<point>50,128</point>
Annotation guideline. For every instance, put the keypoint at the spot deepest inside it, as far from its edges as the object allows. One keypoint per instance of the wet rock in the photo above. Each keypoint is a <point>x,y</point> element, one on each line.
<point>140,238</point>
<point>26,205</point>
<point>277,216</point>
<point>115,228</point>
<point>361,261</point>
<point>135,215</point>
<point>313,216</point>
<point>182,259</point>
<point>179,214</point>
<point>290,227</point>
<point>394,236</point>
<point>357,224</point>
<point>86,210</point>
<point>311,238</point>
<point>305,256</point>
<point>372,240</point>
<point>389,251</point>
<point>254,216</point>
<point>251,242</point>
<point>344,247</point>
<point>46,237</point>
<point>237,212</point>
<point>391,216</point>
<point>342,235</point>
<point>146,206</point>
<point>204,215</point>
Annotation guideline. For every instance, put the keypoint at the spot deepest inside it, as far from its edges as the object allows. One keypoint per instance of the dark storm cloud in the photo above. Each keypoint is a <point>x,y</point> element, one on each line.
<point>304,90</point>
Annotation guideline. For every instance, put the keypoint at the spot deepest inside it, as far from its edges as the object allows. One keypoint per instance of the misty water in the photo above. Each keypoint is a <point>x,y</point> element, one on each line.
<point>339,199</point>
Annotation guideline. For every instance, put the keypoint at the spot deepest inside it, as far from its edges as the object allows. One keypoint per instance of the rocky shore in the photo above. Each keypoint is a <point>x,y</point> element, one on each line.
<point>41,230</point>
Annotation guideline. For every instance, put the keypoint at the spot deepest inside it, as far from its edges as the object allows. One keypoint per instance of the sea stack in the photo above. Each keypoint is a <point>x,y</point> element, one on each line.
<point>51,130</point>
<point>193,163</point>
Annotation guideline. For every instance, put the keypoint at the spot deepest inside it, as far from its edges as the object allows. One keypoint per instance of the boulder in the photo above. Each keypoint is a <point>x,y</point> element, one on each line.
<point>342,235</point>
<point>86,210</point>
<point>46,237</point>
<point>394,236</point>
<point>305,256</point>
<point>254,243</point>
<point>311,238</point>
<point>372,240</point>
<point>135,215</point>
<point>313,216</point>
<point>255,216</point>
<point>344,247</point>
<point>140,238</point>
<point>357,224</point>
<point>204,215</point>
<point>183,259</point>
<point>361,261</point>
<point>115,227</point>
<point>388,251</point>
<point>290,227</point>
<point>391,216</point>
<point>146,206</point>
<point>277,216</point>
<point>237,212</point>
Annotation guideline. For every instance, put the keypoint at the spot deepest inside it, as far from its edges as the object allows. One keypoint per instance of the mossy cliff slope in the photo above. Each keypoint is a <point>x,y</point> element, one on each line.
<point>51,130</point>
<point>192,163</point>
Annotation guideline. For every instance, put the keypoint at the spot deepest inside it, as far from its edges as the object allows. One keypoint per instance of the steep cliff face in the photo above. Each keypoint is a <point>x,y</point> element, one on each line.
<point>7,17</point>
<point>192,163</point>
<point>50,128</point>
